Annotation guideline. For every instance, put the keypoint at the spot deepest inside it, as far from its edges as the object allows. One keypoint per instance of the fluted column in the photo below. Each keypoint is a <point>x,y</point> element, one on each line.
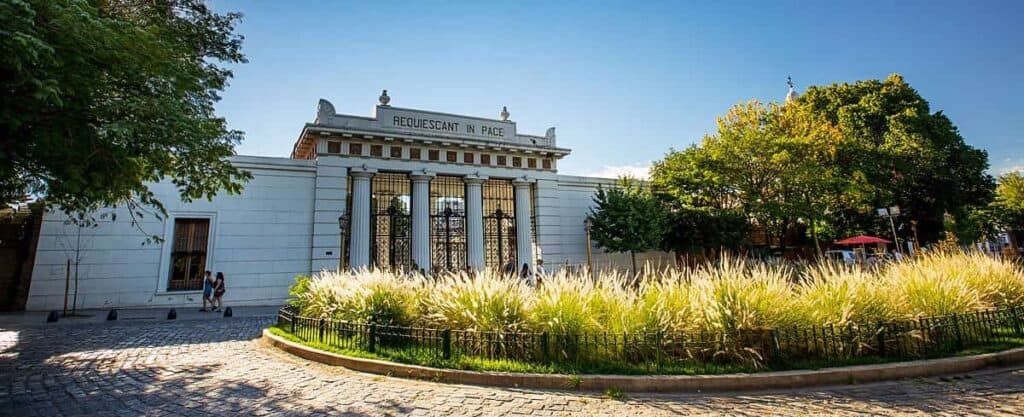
<point>359,244</point>
<point>421,219</point>
<point>524,241</point>
<point>475,220</point>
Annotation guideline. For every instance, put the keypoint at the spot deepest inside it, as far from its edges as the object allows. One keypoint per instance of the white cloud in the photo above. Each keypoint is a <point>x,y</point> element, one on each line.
<point>614,171</point>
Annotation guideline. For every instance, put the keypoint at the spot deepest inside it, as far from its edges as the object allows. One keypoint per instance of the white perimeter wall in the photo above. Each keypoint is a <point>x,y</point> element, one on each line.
<point>283,224</point>
<point>260,239</point>
<point>562,206</point>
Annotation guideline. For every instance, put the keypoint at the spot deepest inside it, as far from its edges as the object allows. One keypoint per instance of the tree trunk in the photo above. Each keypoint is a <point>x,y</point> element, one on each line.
<point>632,257</point>
<point>814,235</point>
<point>782,238</point>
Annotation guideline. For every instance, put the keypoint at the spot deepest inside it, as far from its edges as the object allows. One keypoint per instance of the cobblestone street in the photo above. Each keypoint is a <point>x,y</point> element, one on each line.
<point>216,367</point>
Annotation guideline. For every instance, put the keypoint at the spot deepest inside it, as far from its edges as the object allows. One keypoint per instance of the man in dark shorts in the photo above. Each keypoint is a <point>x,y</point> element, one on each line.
<point>207,291</point>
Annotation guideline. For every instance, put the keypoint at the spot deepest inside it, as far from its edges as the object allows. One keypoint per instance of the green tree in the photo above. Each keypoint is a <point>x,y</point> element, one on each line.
<point>1008,206</point>
<point>626,218</point>
<point>912,157</point>
<point>694,230</point>
<point>102,97</point>
<point>975,225</point>
<point>771,162</point>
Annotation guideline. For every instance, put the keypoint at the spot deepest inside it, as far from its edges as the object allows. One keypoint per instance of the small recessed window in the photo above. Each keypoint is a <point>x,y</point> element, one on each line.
<point>467,157</point>
<point>355,149</point>
<point>546,163</point>
<point>333,147</point>
<point>396,151</point>
<point>433,154</point>
<point>376,150</point>
<point>502,160</point>
<point>485,159</point>
<point>517,162</point>
<point>414,153</point>
<point>531,163</point>
<point>188,254</point>
<point>452,156</point>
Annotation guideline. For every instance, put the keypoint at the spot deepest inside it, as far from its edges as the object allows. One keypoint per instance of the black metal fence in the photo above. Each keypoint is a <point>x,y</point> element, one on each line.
<point>663,351</point>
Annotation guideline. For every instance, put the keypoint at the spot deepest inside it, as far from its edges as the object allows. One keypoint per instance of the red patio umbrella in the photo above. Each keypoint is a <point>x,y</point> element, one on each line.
<point>862,240</point>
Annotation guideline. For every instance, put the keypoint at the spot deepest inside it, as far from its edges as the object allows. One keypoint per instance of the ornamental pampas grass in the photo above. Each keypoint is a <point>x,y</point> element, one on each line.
<point>487,302</point>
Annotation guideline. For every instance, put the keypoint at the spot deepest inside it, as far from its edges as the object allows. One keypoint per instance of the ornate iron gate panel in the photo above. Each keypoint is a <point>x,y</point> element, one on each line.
<point>391,223</point>
<point>448,223</point>
<point>499,224</point>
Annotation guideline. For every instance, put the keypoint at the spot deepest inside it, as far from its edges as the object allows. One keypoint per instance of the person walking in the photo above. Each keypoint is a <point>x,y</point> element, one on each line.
<point>540,273</point>
<point>526,274</point>
<point>207,292</point>
<point>510,268</point>
<point>540,267</point>
<point>218,291</point>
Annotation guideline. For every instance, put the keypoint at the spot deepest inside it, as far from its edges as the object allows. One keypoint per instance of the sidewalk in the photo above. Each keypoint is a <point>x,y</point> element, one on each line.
<point>36,318</point>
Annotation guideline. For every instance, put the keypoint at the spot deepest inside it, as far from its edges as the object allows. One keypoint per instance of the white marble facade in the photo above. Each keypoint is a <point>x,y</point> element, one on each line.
<point>286,221</point>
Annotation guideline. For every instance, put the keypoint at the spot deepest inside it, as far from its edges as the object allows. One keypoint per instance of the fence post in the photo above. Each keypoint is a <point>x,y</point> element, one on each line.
<point>1016,321</point>
<point>959,335</point>
<point>773,346</point>
<point>544,346</point>
<point>657,349</point>
<point>321,326</point>
<point>291,317</point>
<point>372,340</point>
<point>446,337</point>
<point>881,339</point>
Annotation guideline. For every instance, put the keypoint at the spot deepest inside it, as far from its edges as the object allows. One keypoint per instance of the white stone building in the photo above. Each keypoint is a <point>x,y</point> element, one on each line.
<point>400,189</point>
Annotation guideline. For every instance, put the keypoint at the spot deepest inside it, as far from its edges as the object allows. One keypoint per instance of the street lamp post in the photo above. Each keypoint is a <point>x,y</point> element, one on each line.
<point>587,223</point>
<point>890,213</point>
<point>342,224</point>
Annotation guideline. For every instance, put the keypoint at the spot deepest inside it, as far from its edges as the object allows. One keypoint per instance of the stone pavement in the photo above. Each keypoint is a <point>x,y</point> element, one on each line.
<point>216,367</point>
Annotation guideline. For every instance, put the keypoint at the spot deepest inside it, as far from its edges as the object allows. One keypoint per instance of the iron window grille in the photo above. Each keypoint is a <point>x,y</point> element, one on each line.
<point>448,223</point>
<point>499,207</point>
<point>391,225</point>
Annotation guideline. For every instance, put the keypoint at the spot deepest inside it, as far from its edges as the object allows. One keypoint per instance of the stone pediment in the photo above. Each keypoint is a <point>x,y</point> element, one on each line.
<point>414,122</point>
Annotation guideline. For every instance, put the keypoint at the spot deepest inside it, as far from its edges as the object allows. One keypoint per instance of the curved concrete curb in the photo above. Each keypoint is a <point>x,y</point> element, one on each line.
<point>663,383</point>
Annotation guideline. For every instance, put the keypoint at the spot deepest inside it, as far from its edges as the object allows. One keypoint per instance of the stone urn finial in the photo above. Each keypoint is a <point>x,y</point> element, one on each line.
<point>384,99</point>
<point>504,113</point>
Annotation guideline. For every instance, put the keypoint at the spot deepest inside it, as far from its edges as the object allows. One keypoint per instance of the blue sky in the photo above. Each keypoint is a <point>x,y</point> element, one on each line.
<point>622,81</point>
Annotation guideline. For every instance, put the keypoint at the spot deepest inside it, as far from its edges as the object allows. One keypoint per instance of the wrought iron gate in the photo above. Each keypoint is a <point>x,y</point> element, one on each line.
<point>391,224</point>
<point>448,223</point>
<point>499,224</point>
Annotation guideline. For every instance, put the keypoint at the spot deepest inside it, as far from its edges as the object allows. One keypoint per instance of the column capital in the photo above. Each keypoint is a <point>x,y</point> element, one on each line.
<point>523,181</point>
<point>362,172</point>
<point>474,179</point>
<point>421,175</point>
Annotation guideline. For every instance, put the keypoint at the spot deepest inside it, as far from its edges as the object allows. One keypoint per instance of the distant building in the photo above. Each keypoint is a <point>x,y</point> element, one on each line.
<point>402,188</point>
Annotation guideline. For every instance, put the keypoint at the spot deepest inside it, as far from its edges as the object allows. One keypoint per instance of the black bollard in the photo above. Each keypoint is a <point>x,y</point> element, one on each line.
<point>227,312</point>
<point>53,317</point>
<point>112,315</point>
<point>172,315</point>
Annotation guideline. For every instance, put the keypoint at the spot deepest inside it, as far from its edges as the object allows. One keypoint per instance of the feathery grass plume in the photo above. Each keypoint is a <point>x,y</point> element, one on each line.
<point>732,295</point>
<point>834,294</point>
<point>999,282</point>
<point>565,304</point>
<point>616,304</point>
<point>667,303</point>
<point>485,302</point>
<point>738,302</point>
<point>371,296</point>
<point>930,287</point>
